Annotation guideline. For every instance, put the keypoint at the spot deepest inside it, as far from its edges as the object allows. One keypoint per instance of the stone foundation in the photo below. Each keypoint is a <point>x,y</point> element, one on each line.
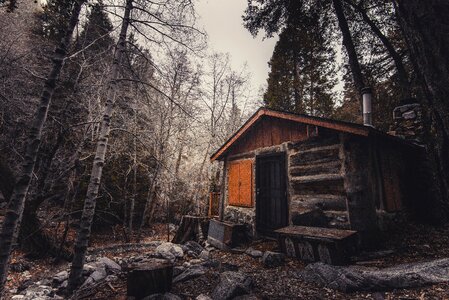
<point>242,215</point>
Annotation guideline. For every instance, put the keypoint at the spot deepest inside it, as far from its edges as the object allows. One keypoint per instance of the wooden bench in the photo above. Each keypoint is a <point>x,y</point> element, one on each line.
<point>328,245</point>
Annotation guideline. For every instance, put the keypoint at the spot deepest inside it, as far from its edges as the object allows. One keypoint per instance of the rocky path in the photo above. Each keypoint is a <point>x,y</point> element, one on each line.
<point>257,272</point>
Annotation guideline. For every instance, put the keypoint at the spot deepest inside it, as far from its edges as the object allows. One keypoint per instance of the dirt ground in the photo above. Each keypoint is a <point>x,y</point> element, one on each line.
<point>408,243</point>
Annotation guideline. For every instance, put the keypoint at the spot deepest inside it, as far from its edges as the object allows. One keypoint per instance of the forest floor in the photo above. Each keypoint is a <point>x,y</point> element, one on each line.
<point>407,243</point>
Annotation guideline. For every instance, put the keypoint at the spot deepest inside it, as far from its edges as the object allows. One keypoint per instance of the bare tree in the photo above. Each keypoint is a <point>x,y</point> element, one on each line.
<point>17,201</point>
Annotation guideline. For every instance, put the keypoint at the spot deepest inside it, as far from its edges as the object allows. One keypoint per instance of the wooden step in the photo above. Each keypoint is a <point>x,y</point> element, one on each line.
<point>316,155</point>
<point>318,184</point>
<point>328,245</point>
<point>316,168</point>
<point>322,201</point>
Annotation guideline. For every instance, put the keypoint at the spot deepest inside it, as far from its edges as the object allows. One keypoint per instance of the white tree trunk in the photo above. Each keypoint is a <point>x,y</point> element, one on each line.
<point>84,231</point>
<point>17,202</point>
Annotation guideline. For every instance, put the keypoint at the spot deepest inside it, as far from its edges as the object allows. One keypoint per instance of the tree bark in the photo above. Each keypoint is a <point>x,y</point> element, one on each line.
<point>87,216</point>
<point>403,80</point>
<point>149,203</point>
<point>17,201</point>
<point>354,64</point>
<point>426,30</point>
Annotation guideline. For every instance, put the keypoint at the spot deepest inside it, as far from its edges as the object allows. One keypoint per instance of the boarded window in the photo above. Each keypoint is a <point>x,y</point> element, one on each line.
<point>240,183</point>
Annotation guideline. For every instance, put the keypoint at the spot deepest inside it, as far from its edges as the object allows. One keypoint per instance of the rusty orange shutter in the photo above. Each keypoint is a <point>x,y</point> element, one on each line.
<point>246,191</point>
<point>233,189</point>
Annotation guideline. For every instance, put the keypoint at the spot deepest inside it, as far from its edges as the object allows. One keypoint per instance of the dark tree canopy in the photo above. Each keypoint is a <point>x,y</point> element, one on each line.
<point>302,73</point>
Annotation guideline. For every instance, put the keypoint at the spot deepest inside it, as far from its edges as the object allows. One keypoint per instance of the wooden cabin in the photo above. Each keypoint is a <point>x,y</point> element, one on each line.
<point>283,169</point>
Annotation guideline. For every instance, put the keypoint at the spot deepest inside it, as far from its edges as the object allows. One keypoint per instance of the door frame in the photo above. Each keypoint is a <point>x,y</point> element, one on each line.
<point>282,155</point>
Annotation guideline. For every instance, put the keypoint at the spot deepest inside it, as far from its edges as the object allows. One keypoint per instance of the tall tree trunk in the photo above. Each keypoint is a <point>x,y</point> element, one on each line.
<point>426,29</point>
<point>354,64</point>
<point>403,80</point>
<point>149,203</point>
<point>31,235</point>
<point>134,188</point>
<point>17,201</point>
<point>87,216</point>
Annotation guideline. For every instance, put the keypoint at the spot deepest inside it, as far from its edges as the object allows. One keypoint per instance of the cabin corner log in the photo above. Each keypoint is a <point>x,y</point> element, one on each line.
<point>357,180</point>
<point>153,277</point>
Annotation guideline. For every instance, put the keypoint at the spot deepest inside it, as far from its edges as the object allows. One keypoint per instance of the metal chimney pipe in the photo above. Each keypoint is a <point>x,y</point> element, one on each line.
<point>367,106</point>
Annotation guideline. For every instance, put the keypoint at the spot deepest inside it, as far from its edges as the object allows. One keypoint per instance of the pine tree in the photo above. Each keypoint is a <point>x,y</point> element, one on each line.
<point>55,18</point>
<point>302,72</point>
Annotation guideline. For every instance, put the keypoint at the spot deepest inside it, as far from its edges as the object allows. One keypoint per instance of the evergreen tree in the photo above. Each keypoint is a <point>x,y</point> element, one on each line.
<point>55,18</point>
<point>302,70</point>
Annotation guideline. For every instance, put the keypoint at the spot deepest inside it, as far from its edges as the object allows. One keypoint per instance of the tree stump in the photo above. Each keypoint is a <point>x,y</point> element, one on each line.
<point>149,278</point>
<point>192,228</point>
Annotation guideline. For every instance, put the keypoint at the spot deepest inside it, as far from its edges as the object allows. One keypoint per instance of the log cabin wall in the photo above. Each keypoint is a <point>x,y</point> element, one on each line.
<point>268,135</point>
<point>334,179</point>
<point>269,131</point>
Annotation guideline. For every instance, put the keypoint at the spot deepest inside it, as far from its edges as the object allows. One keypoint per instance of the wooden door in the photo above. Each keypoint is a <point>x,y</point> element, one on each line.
<point>271,193</point>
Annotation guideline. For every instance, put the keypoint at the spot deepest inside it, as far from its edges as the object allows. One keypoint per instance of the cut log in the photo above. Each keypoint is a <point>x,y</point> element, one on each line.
<point>192,228</point>
<point>152,277</point>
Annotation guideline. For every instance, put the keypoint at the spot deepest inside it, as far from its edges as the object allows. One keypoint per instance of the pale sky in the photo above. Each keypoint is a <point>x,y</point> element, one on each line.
<point>222,19</point>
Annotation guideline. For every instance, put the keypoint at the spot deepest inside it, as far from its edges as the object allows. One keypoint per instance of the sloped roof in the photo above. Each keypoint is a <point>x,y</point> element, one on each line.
<point>352,128</point>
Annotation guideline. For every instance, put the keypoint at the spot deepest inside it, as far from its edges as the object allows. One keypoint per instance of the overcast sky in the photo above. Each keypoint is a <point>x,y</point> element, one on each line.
<point>222,19</point>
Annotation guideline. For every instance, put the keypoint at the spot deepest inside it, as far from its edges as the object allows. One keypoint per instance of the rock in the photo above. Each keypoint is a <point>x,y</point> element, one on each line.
<point>88,269</point>
<point>60,277</point>
<point>20,266</point>
<point>204,255</point>
<point>166,296</point>
<point>253,252</point>
<point>211,263</point>
<point>247,297</point>
<point>232,284</point>
<point>190,273</point>
<point>26,275</point>
<point>110,265</point>
<point>194,247</point>
<point>98,275</point>
<point>357,278</point>
<point>178,270</point>
<point>203,297</point>
<point>24,285</point>
<point>195,261</point>
<point>17,297</point>
<point>169,251</point>
<point>273,259</point>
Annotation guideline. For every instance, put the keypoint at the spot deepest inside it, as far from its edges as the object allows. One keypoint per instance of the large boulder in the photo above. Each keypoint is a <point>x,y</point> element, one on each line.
<point>254,253</point>
<point>169,251</point>
<point>60,278</point>
<point>193,248</point>
<point>273,259</point>
<point>232,284</point>
<point>98,275</point>
<point>356,278</point>
<point>190,273</point>
<point>110,265</point>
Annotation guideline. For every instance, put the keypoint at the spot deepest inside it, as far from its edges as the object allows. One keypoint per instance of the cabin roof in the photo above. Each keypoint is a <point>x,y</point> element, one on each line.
<point>342,126</point>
